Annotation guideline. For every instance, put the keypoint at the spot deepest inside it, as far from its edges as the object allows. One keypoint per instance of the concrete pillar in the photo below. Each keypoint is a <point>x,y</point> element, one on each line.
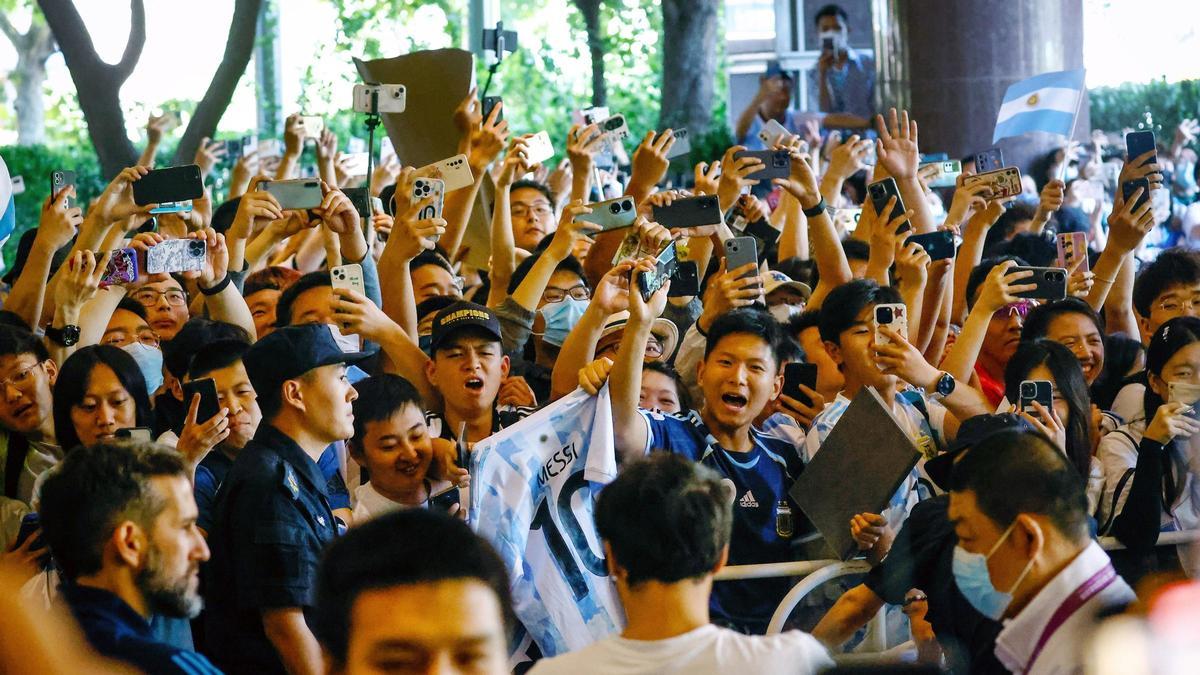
<point>951,60</point>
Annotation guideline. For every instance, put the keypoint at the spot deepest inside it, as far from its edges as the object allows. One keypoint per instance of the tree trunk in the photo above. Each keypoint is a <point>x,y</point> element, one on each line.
<point>238,48</point>
<point>689,53</point>
<point>33,48</point>
<point>98,84</point>
<point>590,9</point>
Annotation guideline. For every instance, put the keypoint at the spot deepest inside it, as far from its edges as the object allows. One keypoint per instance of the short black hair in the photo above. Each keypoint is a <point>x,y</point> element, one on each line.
<point>830,10</point>
<point>856,249</point>
<point>380,397</point>
<point>75,376</point>
<point>191,338</point>
<point>1034,249</point>
<point>224,215</point>
<point>215,356</point>
<point>1037,322</point>
<point>133,306</point>
<point>844,303</point>
<point>681,390</point>
<point>1015,472</point>
<point>403,548</point>
<point>535,185</point>
<point>283,308</point>
<point>434,305</point>
<point>1176,266</point>
<point>15,341</point>
<point>665,518</point>
<point>569,264</point>
<point>96,488</point>
<point>809,318</point>
<point>981,272</point>
<point>430,258</point>
<point>746,321</point>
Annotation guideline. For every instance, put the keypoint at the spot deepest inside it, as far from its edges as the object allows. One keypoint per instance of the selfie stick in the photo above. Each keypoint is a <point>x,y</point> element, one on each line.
<point>372,122</point>
<point>499,29</point>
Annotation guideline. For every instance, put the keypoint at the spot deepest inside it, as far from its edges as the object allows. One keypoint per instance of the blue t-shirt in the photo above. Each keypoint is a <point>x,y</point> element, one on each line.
<point>759,480</point>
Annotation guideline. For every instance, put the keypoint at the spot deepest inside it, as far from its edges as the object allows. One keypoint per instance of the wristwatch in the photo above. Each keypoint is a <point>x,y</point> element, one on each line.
<point>66,336</point>
<point>944,386</point>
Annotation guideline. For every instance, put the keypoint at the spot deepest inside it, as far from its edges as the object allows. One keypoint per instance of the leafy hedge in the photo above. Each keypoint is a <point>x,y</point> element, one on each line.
<point>1126,105</point>
<point>34,164</point>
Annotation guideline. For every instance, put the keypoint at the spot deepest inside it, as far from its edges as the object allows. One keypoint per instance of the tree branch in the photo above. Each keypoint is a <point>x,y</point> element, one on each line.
<point>135,43</point>
<point>71,33</point>
<point>11,32</point>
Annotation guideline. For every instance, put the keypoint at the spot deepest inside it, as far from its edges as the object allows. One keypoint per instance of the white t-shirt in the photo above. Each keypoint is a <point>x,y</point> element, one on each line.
<point>703,651</point>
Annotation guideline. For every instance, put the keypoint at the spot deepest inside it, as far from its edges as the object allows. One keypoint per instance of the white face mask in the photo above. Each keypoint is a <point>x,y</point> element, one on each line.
<point>784,313</point>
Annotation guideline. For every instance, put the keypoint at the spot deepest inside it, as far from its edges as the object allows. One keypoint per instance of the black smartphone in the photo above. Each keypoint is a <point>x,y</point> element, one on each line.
<point>880,192</point>
<point>210,407</point>
<point>796,374</point>
<point>136,434</point>
<point>61,180</point>
<point>686,280</point>
<point>1131,186</point>
<point>1035,390</point>
<point>664,269</point>
<point>939,245</point>
<point>689,212</point>
<point>1051,283</point>
<point>489,103</point>
<point>176,184</point>
<point>989,160</point>
<point>776,163</point>
<point>764,231</point>
<point>1138,143</point>
<point>31,524</point>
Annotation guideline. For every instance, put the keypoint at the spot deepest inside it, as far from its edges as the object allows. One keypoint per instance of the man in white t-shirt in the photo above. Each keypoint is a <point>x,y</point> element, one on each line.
<point>665,523</point>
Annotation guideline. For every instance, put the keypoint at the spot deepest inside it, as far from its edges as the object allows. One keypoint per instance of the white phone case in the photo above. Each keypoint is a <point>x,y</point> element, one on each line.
<point>772,132</point>
<point>682,144</point>
<point>348,276</point>
<point>899,322</point>
<point>424,188</point>
<point>455,172</point>
<point>539,147</point>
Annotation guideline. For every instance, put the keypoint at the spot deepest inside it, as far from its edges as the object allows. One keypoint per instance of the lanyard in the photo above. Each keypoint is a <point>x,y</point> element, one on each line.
<point>1086,591</point>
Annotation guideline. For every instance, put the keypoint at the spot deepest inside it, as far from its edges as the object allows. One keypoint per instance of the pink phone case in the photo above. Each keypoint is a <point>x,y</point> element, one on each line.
<point>122,268</point>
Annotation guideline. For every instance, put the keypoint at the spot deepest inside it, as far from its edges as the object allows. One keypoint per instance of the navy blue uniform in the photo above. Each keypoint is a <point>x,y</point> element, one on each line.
<point>760,480</point>
<point>271,523</point>
<point>115,630</point>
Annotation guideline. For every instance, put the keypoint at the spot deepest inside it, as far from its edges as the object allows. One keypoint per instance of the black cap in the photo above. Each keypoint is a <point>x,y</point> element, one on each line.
<point>462,315</point>
<point>970,433</point>
<point>291,351</point>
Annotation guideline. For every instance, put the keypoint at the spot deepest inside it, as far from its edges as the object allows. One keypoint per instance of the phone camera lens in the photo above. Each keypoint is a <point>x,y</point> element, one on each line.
<point>884,315</point>
<point>615,208</point>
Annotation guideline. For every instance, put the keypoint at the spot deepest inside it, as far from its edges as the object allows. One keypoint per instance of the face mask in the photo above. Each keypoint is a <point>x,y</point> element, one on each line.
<point>975,582</point>
<point>150,362</point>
<point>784,313</point>
<point>560,318</point>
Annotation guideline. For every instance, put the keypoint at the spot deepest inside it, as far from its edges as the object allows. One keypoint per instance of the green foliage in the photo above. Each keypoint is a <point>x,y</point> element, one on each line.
<point>1126,105</point>
<point>34,164</point>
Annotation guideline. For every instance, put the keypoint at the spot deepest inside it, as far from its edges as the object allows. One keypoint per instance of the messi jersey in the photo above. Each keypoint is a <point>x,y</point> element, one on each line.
<point>758,480</point>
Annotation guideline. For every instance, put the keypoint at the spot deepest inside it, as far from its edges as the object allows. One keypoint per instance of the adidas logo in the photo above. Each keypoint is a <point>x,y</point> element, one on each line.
<point>748,501</point>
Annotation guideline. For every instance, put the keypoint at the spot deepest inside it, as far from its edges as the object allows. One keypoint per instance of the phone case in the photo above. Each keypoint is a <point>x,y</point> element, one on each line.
<point>1138,142</point>
<point>455,172</point>
<point>1035,390</point>
<point>210,406</point>
<point>847,219</point>
<point>740,251</point>
<point>795,374</point>
<point>136,433</point>
<point>61,180</point>
<point>423,188</point>
<point>122,268</point>
<point>682,145</point>
<point>686,280</point>
<point>389,98</point>
<point>175,184</point>
<point>1004,182</point>
<point>664,268</point>
<point>295,194</point>
<point>1051,283</point>
<point>776,163</point>
<point>1073,251</point>
<point>893,315</point>
<point>1184,392</point>
<point>614,128</point>
<point>991,159</point>
<point>939,245</point>
<point>348,276</point>
<point>880,192</point>
<point>689,212</point>
<point>612,214</point>
<point>176,255</point>
<point>539,148</point>
<point>772,132</point>
<point>947,174</point>
<point>1131,186</point>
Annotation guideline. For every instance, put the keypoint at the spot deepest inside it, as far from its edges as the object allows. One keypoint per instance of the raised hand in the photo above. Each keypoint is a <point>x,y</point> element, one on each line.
<point>337,211</point>
<point>707,178</point>
<point>207,155</point>
<point>801,183</point>
<point>1001,287</point>
<point>848,158</point>
<point>116,202</point>
<point>583,142</point>
<point>515,391</point>
<point>1129,223</point>
<point>612,291</point>
<point>216,263</point>
<point>488,141</point>
<point>156,126</point>
<point>256,210</point>
<point>80,281</point>
<point>733,176</point>
<point>1172,421</point>
<point>58,224</point>
<point>967,201</point>
<point>896,147</point>
<point>593,376</point>
<point>468,114</point>
<point>571,231</point>
<point>293,134</point>
<point>356,314</point>
<point>650,161</point>
<point>201,436</point>
<point>729,290</point>
<point>326,145</point>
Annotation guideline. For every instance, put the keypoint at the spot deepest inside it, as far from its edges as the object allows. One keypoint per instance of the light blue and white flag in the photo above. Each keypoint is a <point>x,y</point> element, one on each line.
<point>533,487</point>
<point>1048,102</point>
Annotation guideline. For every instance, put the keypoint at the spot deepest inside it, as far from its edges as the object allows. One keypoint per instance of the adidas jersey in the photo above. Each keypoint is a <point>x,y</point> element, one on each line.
<point>759,480</point>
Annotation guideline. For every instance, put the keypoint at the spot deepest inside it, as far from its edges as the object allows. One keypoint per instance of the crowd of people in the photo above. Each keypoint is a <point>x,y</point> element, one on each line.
<point>315,519</point>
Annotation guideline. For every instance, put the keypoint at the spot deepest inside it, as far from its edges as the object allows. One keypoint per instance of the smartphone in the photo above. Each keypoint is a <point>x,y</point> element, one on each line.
<point>894,316</point>
<point>1186,393</point>
<point>271,147</point>
<point>796,374</point>
<point>143,433</point>
<point>539,148</point>
<point>689,212</point>
<point>1051,283</point>
<point>348,276</point>
<point>1041,391</point>
<point>363,201</point>
<point>664,268</point>
<point>375,99</point>
<point>312,126</point>
<point>776,163</point>
<point>939,245</point>
<point>236,148</point>
<point>686,281</point>
<point>424,188</point>
<point>176,184</point>
<point>827,45</point>
<point>122,268</point>
<point>614,128</point>
<point>294,194</point>
<point>1131,186</point>
<point>61,180</point>
<point>947,174</point>
<point>31,524</point>
<point>1004,183</point>
<point>355,163</point>
<point>455,172</point>
<point>682,145</point>
<point>489,104</point>
<point>612,214</point>
<point>880,192</point>
<point>764,231</point>
<point>210,406</point>
<point>176,255</point>
<point>1139,142</point>
<point>772,133</point>
<point>1073,251</point>
<point>847,219</point>
<point>989,160</point>
<point>18,185</point>
<point>741,251</point>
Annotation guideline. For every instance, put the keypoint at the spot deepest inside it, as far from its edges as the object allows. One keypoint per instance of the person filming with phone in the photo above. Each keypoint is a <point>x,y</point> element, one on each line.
<point>845,79</point>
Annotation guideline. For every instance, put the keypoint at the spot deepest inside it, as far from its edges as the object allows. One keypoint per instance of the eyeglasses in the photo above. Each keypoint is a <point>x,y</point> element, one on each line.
<point>148,297</point>
<point>523,210</point>
<point>1174,305</point>
<point>1020,308</point>
<point>551,295</point>
<point>21,379</point>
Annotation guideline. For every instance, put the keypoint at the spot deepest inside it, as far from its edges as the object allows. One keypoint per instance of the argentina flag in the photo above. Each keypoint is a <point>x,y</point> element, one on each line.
<point>1048,102</point>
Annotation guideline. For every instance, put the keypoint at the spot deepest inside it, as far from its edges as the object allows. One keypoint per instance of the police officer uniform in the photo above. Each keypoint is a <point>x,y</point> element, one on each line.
<point>272,518</point>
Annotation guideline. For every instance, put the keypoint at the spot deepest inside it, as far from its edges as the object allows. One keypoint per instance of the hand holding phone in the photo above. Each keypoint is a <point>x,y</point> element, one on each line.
<point>796,374</point>
<point>210,405</point>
